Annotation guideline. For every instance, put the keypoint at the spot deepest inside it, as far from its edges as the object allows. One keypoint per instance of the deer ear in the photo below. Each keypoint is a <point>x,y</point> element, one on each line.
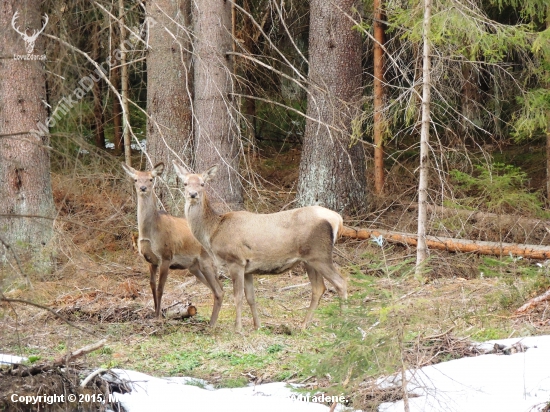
<point>158,169</point>
<point>180,170</point>
<point>210,173</point>
<point>130,171</point>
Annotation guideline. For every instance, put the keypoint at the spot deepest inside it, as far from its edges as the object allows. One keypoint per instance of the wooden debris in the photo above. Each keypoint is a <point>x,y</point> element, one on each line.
<point>534,302</point>
<point>180,311</point>
<point>454,245</point>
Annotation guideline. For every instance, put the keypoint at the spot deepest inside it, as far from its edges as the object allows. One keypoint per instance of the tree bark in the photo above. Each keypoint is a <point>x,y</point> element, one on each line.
<point>169,93</point>
<point>124,84</point>
<point>25,185</point>
<point>216,121</point>
<point>97,90</point>
<point>116,107</point>
<point>548,124</point>
<point>454,245</point>
<point>422,247</point>
<point>332,170</point>
<point>379,36</point>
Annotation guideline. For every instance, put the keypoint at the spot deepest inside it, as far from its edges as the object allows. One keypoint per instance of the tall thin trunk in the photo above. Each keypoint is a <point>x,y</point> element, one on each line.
<point>548,124</point>
<point>124,82</point>
<point>215,125</point>
<point>422,249</point>
<point>169,94</point>
<point>116,107</point>
<point>332,173</point>
<point>97,90</point>
<point>379,36</point>
<point>26,201</point>
<point>249,103</point>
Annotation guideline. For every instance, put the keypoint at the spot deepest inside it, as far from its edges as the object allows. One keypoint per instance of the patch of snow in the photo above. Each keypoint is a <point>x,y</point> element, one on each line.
<point>175,394</point>
<point>11,359</point>
<point>504,383</point>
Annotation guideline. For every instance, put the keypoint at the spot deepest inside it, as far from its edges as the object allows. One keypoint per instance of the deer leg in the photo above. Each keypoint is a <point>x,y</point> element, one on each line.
<point>207,275</point>
<point>251,299</point>
<point>329,272</point>
<point>237,275</point>
<point>153,283</point>
<point>317,290</point>
<point>163,275</point>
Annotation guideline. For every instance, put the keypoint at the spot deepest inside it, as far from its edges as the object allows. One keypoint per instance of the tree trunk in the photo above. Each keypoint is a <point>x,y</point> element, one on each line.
<point>249,103</point>
<point>215,126</point>
<point>422,248</point>
<point>379,36</point>
<point>124,83</point>
<point>97,90</point>
<point>548,124</point>
<point>25,185</point>
<point>169,94</point>
<point>332,172</point>
<point>116,107</point>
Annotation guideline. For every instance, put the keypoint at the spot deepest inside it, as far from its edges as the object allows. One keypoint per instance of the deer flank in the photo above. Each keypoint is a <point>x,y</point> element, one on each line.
<point>250,243</point>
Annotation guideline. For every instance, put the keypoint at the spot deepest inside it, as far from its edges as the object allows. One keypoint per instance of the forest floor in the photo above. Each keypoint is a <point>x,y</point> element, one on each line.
<point>393,319</point>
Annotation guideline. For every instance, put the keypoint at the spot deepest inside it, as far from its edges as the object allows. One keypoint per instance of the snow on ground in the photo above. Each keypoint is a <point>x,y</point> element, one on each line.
<point>177,394</point>
<point>10,359</point>
<point>505,383</point>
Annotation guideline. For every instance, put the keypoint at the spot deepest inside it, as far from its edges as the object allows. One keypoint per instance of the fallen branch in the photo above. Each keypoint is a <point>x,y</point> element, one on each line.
<point>533,302</point>
<point>294,286</point>
<point>79,352</point>
<point>26,302</point>
<point>61,361</point>
<point>454,245</point>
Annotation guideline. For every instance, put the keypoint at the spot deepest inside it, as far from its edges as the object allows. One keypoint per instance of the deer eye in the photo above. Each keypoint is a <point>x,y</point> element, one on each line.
<point>135,180</point>
<point>185,184</point>
<point>202,184</point>
<point>150,180</point>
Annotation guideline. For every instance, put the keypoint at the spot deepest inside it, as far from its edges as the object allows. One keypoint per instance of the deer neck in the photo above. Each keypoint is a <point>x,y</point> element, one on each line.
<point>202,220</point>
<point>146,215</point>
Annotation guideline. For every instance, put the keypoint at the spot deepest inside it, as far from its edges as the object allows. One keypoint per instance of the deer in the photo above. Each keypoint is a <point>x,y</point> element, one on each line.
<point>247,243</point>
<point>29,40</point>
<point>166,242</point>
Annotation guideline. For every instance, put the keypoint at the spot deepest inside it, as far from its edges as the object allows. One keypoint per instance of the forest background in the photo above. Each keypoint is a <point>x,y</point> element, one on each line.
<point>319,102</point>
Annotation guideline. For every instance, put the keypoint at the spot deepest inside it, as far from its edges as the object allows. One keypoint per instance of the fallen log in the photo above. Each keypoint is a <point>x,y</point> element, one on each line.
<point>454,245</point>
<point>533,302</point>
<point>179,311</point>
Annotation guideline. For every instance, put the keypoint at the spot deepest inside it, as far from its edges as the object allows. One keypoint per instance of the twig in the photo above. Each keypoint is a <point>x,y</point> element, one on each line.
<point>26,302</point>
<point>61,220</point>
<point>80,352</point>
<point>293,286</point>
<point>91,376</point>
<point>7,246</point>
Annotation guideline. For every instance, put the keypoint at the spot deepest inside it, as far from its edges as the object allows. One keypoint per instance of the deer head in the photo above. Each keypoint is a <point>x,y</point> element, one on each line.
<point>29,40</point>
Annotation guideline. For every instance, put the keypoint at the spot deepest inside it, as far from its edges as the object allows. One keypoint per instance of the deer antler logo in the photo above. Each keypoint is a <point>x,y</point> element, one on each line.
<point>29,40</point>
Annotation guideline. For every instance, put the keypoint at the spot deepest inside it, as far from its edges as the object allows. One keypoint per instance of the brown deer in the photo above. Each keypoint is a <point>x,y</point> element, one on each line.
<point>166,242</point>
<point>250,243</point>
